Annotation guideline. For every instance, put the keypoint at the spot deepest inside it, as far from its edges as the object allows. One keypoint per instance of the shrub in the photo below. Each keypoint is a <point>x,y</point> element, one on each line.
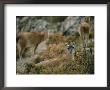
<point>56,39</point>
<point>53,51</point>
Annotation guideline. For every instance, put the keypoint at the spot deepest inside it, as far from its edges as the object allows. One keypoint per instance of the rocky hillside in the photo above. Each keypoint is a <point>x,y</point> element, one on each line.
<point>52,55</point>
<point>52,24</point>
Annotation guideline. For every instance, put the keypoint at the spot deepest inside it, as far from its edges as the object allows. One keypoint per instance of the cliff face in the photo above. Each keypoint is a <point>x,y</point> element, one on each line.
<point>52,24</point>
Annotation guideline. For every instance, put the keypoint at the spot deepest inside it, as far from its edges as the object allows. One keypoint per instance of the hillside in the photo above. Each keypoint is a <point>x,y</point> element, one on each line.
<point>52,54</point>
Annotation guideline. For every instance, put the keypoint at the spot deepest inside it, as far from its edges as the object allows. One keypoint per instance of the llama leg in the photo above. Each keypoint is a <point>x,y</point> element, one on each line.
<point>35,48</point>
<point>83,41</point>
<point>19,51</point>
<point>20,55</point>
<point>86,40</point>
<point>22,52</point>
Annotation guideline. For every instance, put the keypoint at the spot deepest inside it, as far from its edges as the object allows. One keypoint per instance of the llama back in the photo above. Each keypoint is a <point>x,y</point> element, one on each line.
<point>31,38</point>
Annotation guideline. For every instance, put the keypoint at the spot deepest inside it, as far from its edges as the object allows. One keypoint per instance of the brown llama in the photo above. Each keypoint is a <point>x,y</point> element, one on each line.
<point>84,32</point>
<point>26,40</point>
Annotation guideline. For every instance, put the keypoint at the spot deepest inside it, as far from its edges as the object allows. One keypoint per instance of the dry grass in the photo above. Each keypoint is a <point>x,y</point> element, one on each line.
<point>56,39</point>
<point>53,51</point>
<point>56,60</point>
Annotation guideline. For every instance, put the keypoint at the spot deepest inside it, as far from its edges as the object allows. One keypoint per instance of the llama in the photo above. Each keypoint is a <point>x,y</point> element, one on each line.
<point>25,40</point>
<point>84,32</point>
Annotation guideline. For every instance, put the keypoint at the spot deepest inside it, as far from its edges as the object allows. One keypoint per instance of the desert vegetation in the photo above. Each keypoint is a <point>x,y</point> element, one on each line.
<point>55,45</point>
